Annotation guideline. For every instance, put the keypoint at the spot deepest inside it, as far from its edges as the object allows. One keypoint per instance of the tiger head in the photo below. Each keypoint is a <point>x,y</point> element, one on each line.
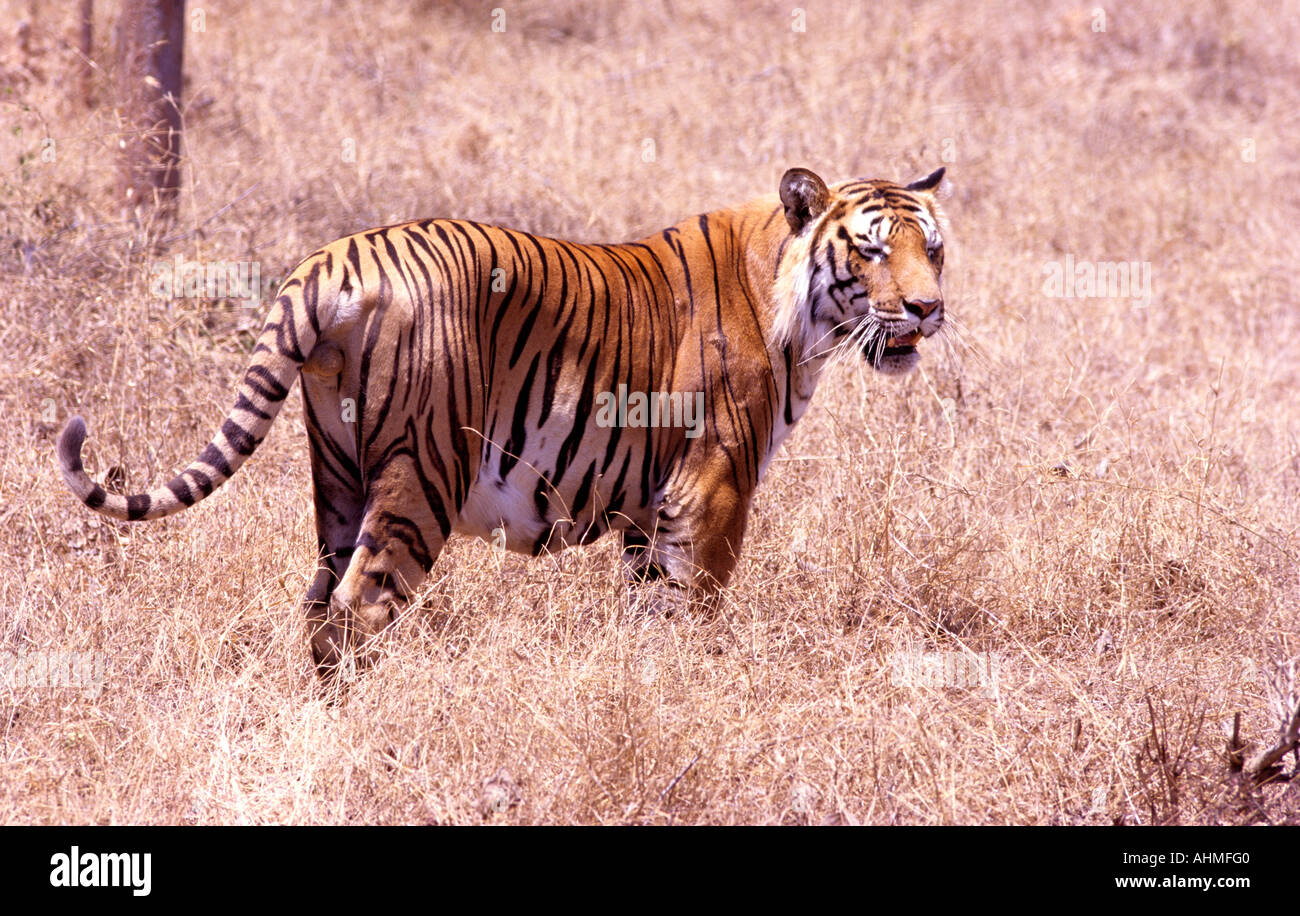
<point>861,268</point>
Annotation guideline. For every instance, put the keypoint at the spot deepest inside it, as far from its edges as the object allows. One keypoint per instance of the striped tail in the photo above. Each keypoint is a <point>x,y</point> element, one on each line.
<point>284,344</point>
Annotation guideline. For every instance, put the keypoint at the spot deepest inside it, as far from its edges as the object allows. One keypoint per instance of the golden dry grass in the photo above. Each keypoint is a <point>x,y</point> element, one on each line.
<point>1097,497</point>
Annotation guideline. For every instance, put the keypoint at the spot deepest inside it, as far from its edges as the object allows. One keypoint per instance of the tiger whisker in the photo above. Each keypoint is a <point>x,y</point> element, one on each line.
<point>818,354</point>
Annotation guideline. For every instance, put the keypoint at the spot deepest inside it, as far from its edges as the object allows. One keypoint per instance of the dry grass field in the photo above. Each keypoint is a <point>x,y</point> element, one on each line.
<point>1030,583</point>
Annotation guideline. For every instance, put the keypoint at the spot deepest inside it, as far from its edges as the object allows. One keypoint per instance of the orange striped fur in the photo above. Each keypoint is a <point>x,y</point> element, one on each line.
<point>459,377</point>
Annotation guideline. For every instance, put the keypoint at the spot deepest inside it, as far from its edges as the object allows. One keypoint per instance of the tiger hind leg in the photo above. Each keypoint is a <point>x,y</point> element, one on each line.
<point>393,555</point>
<point>378,582</point>
<point>338,517</point>
<point>339,503</point>
<point>405,524</point>
<point>373,568</point>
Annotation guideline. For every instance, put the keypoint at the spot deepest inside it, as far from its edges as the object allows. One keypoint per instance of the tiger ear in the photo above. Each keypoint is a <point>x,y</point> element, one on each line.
<point>804,197</point>
<point>927,184</point>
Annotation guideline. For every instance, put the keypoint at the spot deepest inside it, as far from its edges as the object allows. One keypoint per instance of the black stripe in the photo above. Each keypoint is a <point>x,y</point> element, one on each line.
<point>526,328</point>
<point>243,403</point>
<point>215,458</point>
<point>584,491</point>
<point>138,506</point>
<point>202,481</point>
<point>518,425</point>
<point>239,438</point>
<point>311,294</point>
<point>270,387</point>
<point>541,503</point>
<point>181,490</point>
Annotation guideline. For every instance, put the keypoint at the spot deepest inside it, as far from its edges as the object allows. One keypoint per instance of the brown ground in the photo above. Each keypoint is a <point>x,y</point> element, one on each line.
<point>1095,497</point>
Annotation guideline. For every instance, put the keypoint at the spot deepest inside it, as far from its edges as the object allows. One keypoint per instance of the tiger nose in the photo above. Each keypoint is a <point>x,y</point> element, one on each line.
<point>922,308</point>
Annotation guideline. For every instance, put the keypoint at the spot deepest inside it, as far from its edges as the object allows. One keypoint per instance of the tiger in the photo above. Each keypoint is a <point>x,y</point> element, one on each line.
<point>455,375</point>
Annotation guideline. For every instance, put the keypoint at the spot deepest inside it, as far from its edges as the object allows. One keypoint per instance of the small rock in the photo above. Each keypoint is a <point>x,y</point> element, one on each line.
<point>499,793</point>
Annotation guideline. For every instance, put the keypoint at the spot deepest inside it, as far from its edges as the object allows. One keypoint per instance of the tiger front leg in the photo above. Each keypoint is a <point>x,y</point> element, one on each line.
<point>698,537</point>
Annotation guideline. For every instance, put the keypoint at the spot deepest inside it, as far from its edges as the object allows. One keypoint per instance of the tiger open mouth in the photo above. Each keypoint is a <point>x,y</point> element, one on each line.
<point>897,346</point>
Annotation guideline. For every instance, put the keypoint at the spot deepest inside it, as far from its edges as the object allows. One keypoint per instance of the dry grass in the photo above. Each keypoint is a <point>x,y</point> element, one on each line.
<point>1097,497</point>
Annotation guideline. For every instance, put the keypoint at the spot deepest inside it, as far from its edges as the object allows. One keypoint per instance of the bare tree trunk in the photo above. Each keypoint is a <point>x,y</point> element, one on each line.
<point>23,37</point>
<point>86,45</point>
<point>150,43</point>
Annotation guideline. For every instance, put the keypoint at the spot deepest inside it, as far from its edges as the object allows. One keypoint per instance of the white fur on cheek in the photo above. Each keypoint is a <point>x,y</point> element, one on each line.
<point>794,293</point>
